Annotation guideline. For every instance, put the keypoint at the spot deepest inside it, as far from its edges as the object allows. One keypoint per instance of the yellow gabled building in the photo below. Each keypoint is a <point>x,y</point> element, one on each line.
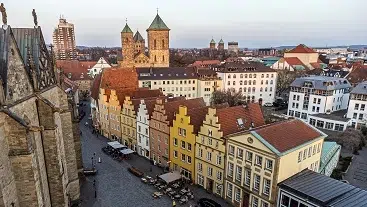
<point>210,143</point>
<point>104,122</point>
<point>260,158</point>
<point>183,132</point>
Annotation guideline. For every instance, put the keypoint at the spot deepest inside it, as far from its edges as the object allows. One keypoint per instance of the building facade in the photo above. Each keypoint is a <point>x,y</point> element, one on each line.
<point>256,81</point>
<point>307,55</point>
<point>317,94</point>
<point>142,122</point>
<point>357,105</point>
<point>257,160</point>
<point>233,47</point>
<point>210,146</point>
<point>160,122</point>
<point>98,67</point>
<point>64,41</point>
<point>40,154</point>
<point>183,132</point>
<point>133,46</point>
<point>329,157</point>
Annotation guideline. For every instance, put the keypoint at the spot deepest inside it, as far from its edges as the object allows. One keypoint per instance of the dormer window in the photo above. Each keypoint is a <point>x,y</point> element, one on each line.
<point>240,122</point>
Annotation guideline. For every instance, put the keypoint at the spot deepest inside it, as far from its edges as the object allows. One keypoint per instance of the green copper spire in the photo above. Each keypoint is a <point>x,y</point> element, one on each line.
<point>127,29</point>
<point>138,37</point>
<point>212,42</point>
<point>221,41</point>
<point>158,24</point>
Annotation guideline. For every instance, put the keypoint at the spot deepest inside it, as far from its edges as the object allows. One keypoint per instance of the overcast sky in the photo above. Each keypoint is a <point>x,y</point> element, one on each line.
<point>253,23</point>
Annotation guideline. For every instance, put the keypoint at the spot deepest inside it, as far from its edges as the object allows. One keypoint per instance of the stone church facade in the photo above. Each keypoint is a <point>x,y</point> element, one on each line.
<point>40,150</point>
<point>133,46</point>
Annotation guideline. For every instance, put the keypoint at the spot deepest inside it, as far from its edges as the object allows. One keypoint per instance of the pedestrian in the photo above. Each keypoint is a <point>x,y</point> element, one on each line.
<point>174,203</point>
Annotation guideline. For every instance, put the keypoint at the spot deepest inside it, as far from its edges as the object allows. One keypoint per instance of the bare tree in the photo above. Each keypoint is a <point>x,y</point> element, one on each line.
<point>227,96</point>
<point>350,139</point>
<point>285,79</point>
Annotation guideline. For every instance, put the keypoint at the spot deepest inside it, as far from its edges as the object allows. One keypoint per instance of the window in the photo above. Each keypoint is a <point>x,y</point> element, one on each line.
<point>219,175</point>
<point>175,141</point>
<point>231,150</point>
<point>356,107</point>
<point>309,151</point>
<point>339,127</point>
<point>230,169</point>
<point>189,159</point>
<point>355,115</point>
<point>362,107</point>
<point>210,141</point>
<point>285,201</point>
<point>201,180</point>
<point>255,202</point>
<point>183,157</point>
<point>249,156</point>
<point>210,172</point>
<point>237,194</point>
<point>155,44</point>
<point>256,182</point>
<point>258,160</point>
<point>229,190</point>
<point>300,156</point>
<point>264,204</point>
<point>175,153</point>
<point>360,117</point>
<point>219,160</point>
<point>266,188</point>
<point>329,125</point>
<point>269,164</point>
<point>183,144</point>
<point>218,188</point>
<point>238,173</point>
<point>240,153</point>
<point>200,167</point>
<point>209,156</point>
<point>314,150</point>
<point>247,178</point>
<point>182,132</point>
<point>189,146</point>
<point>200,152</point>
<point>304,154</point>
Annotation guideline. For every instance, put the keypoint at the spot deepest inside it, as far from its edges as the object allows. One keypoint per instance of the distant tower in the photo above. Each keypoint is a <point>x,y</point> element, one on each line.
<point>139,43</point>
<point>127,46</point>
<point>221,44</point>
<point>158,42</point>
<point>212,44</point>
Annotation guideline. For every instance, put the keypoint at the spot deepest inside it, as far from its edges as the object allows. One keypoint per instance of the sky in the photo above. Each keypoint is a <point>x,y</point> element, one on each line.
<point>252,23</point>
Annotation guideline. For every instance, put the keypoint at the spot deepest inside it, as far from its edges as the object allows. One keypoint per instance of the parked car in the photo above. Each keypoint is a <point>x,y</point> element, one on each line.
<point>206,202</point>
<point>268,104</point>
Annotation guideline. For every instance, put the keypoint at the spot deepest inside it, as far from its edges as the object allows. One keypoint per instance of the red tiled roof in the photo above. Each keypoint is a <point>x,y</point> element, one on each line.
<point>227,118</point>
<point>358,73</point>
<point>172,107</point>
<point>136,102</point>
<point>295,61</point>
<point>302,49</point>
<point>288,134</point>
<point>95,87</point>
<point>197,116</point>
<point>200,63</point>
<point>119,78</point>
<point>137,94</point>
<point>77,70</point>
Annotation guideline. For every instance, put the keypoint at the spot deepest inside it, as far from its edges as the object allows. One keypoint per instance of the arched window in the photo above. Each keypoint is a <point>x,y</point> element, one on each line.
<point>271,81</point>
<point>163,46</point>
<point>241,76</point>
<point>266,82</point>
<point>253,89</point>
<point>229,75</point>
<point>240,90</point>
<point>155,57</point>
<point>241,83</point>
<point>262,82</point>
<point>249,89</point>
<point>234,76</point>
<point>266,89</point>
<point>253,82</point>
<point>245,82</point>
<point>261,89</point>
<point>163,58</point>
<point>250,76</point>
<point>244,89</point>
<point>155,44</point>
<point>254,75</point>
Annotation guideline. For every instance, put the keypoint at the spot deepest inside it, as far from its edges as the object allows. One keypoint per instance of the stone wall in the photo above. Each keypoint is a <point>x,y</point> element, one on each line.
<point>158,44</point>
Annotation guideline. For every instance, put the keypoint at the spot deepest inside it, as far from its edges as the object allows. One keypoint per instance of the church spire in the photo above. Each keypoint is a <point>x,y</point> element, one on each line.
<point>126,28</point>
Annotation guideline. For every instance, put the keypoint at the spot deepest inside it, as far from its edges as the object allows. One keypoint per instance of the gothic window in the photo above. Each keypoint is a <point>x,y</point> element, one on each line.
<point>155,44</point>
<point>155,57</point>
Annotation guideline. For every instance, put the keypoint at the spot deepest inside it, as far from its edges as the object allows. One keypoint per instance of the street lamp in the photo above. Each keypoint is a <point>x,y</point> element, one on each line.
<point>92,161</point>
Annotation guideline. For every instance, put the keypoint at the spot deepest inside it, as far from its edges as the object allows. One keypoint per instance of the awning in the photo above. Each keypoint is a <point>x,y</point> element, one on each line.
<point>113,143</point>
<point>127,151</point>
<point>118,146</point>
<point>170,177</point>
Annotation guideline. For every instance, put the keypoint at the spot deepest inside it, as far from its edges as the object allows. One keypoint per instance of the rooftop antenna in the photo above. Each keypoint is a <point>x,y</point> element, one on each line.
<point>157,10</point>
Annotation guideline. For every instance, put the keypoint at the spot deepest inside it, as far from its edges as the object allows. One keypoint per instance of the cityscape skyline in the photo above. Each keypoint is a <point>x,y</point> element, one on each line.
<point>264,24</point>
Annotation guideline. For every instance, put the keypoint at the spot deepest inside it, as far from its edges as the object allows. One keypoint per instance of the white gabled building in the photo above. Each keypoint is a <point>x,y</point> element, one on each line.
<point>145,110</point>
<point>317,95</point>
<point>357,105</point>
<point>256,81</point>
<point>97,68</point>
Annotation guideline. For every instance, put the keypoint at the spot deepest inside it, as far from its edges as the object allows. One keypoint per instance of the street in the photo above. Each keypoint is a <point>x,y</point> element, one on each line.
<point>115,185</point>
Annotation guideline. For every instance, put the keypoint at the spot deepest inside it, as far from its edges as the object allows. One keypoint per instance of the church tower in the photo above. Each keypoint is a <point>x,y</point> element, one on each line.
<point>127,47</point>
<point>212,44</point>
<point>158,43</point>
<point>221,44</point>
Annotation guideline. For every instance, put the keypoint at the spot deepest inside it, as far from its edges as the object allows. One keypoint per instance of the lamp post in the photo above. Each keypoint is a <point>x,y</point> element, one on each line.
<point>92,162</point>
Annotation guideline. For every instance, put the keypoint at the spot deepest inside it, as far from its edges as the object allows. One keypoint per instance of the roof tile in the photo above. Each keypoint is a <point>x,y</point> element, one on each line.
<point>301,48</point>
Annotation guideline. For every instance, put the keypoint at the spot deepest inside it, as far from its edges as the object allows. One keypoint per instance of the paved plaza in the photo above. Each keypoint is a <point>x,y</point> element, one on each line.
<point>357,172</point>
<point>115,186</point>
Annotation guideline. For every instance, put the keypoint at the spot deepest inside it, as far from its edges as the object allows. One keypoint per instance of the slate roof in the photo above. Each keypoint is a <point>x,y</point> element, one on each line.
<point>322,82</point>
<point>286,135</point>
<point>138,37</point>
<point>126,29</point>
<point>361,88</point>
<point>301,48</point>
<point>5,38</point>
<point>243,67</point>
<point>119,78</point>
<point>158,24</point>
<point>227,118</point>
<point>334,73</point>
<point>323,190</point>
<point>171,73</point>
